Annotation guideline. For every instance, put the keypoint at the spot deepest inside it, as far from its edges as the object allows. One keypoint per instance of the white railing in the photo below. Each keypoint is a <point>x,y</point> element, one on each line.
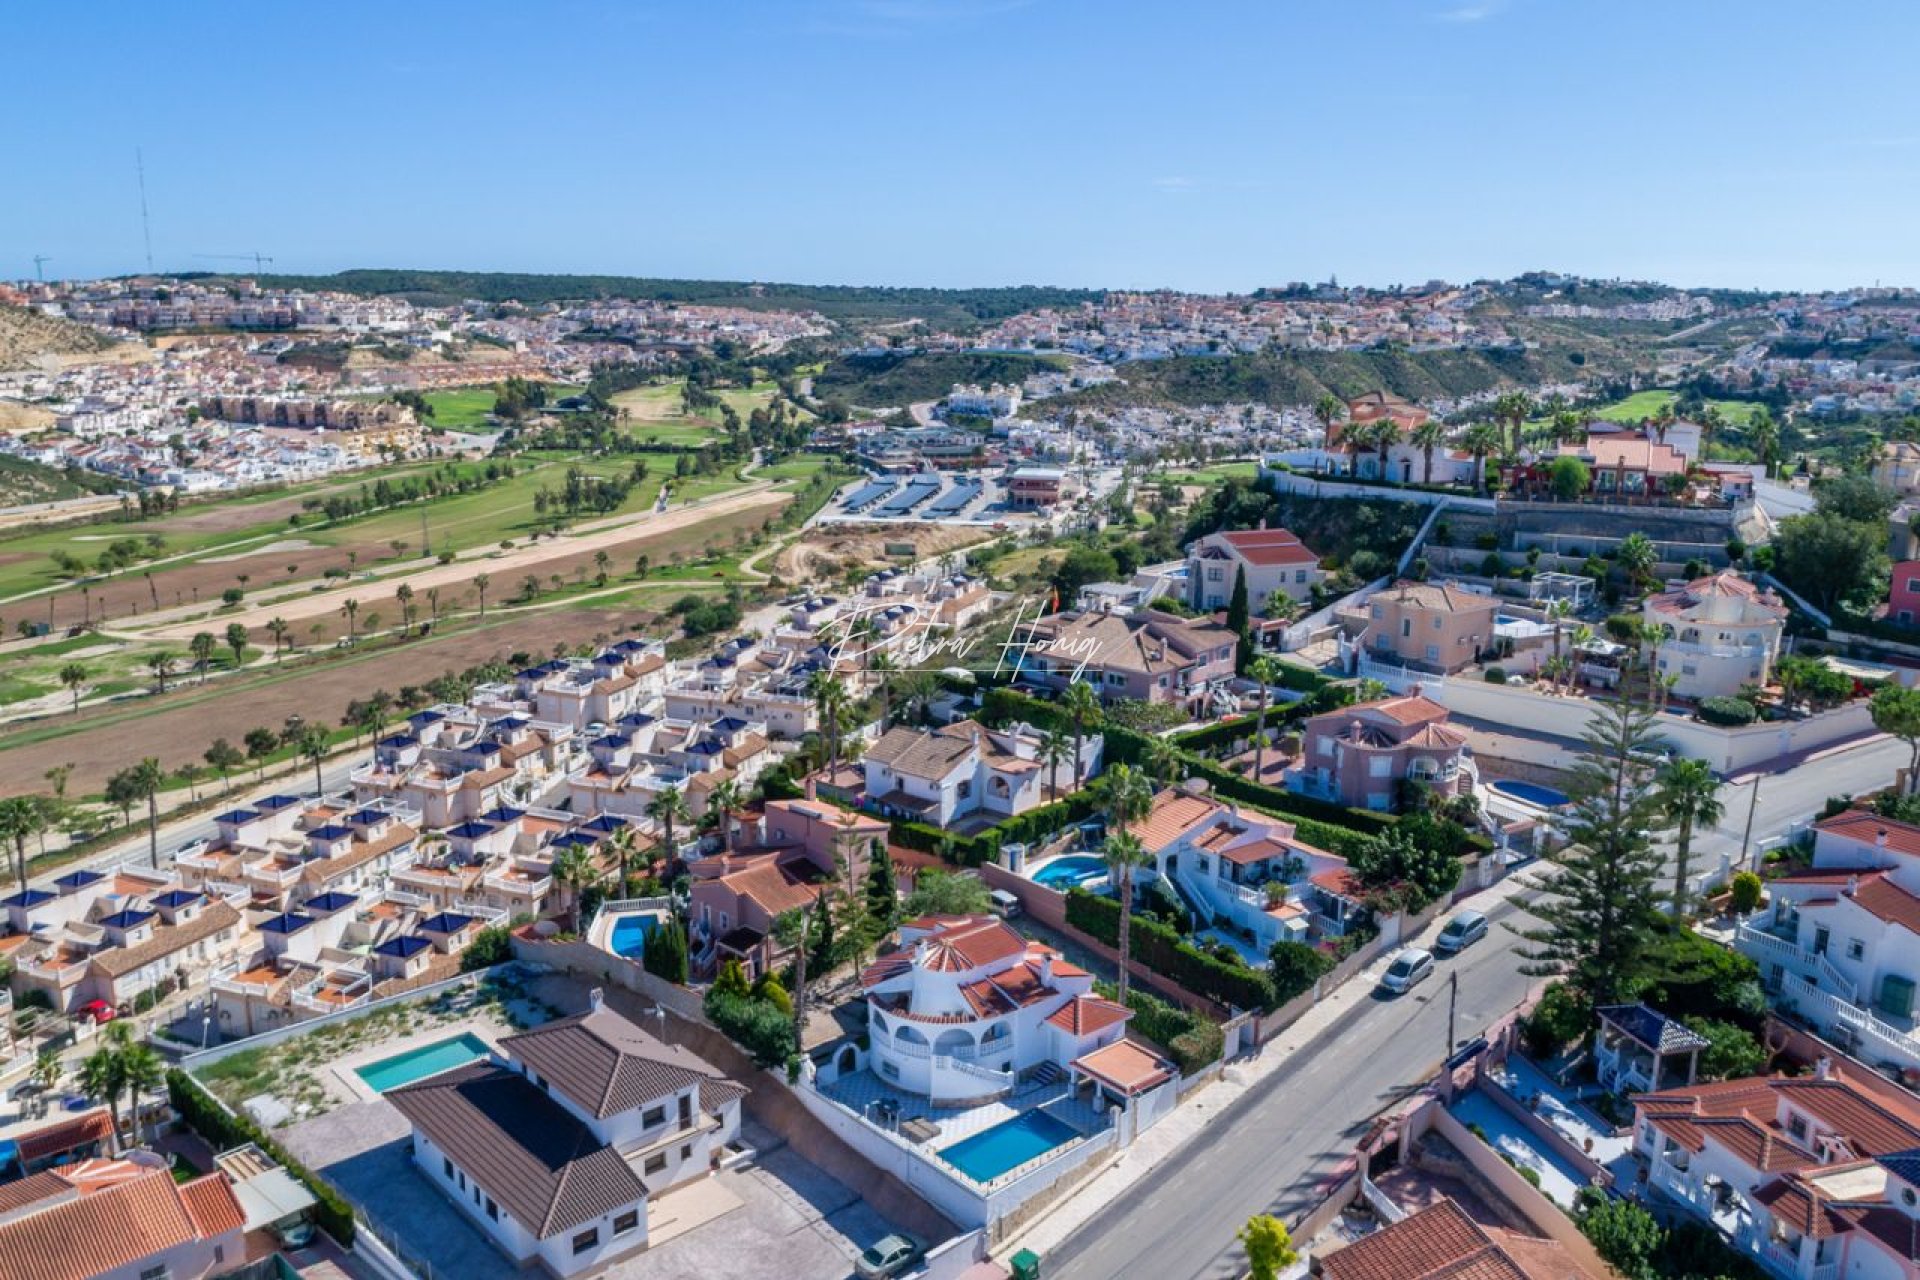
<point>999,1079</point>
<point>1828,1009</point>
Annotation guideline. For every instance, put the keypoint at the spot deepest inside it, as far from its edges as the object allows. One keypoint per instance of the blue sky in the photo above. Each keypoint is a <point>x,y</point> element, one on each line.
<point>1203,144</point>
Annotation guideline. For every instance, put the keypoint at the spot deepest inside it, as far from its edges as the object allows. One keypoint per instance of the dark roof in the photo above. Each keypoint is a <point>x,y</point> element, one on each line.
<point>330,902</point>
<point>272,803</point>
<point>366,817</point>
<point>78,879</point>
<point>237,816</point>
<point>607,1065</point>
<point>504,813</point>
<point>410,945</point>
<point>286,922</point>
<point>471,830</point>
<point>605,822</point>
<point>26,898</point>
<point>1652,1028</point>
<point>176,898</point>
<point>445,922</point>
<point>126,919</point>
<point>1904,1165</point>
<point>331,831</point>
<point>544,1167</point>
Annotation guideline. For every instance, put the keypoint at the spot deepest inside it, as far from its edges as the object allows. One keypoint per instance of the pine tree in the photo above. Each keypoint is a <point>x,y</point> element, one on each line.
<point>821,931</point>
<point>1237,619</point>
<point>883,900</point>
<point>1601,910</point>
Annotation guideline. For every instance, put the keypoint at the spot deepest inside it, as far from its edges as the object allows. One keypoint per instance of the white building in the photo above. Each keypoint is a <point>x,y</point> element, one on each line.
<point>964,770</point>
<point>1273,561</point>
<point>1718,633</point>
<point>557,1145</point>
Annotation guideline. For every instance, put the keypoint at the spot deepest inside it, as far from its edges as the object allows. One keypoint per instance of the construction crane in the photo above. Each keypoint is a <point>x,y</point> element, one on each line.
<point>40,260</point>
<point>257,259</point>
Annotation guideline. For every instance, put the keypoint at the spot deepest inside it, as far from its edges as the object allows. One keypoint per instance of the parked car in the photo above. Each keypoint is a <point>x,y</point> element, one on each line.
<point>1461,932</point>
<point>891,1256</point>
<point>1410,968</point>
<point>98,1011</point>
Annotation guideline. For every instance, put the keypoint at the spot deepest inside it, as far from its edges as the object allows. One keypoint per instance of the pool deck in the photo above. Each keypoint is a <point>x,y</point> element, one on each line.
<point>1568,1117</point>
<point>342,1077</point>
<point>862,1089</point>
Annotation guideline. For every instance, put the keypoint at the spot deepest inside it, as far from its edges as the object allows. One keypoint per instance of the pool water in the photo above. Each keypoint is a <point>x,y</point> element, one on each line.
<point>418,1064</point>
<point>1064,873</point>
<point>630,933</point>
<point>1008,1145</point>
<point>1531,792</point>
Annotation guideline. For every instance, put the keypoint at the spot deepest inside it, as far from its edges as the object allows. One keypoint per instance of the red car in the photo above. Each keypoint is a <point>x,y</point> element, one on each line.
<point>98,1011</point>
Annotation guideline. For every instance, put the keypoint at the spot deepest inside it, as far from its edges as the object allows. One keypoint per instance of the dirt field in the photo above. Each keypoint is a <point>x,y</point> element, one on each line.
<point>119,736</point>
<point>822,552</point>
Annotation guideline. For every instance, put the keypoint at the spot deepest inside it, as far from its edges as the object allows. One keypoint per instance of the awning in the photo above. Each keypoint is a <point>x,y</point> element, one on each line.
<point>271,1197</point>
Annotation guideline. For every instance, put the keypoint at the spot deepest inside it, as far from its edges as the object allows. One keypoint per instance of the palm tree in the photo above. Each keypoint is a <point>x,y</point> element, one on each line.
<point>1512,409</point>
<point>102,1077</point>
<point>666,809</point>
<point>622,844</point>
<point>831,702</point>
<point>404,594</point>
<point>1637,555</point>
<point>1329,409</point>
<point>1711,421</point>
<point>1690,797</point>
<point>1427,437</point>
<point>1378,436</point>
<point>1565,426</point>
<point>352,609</point>
<point>1264,672</point>
<point>883,666</point>
<point>1082,706</point>
<point>74,676</point>
<point>573,871</point>
<point>1480,439</point>
<point>143,1072</point>
<point>312,746</point>
<point>161,665</point>
<point>202,647</point>
<point>480,583</point>
<point>148,778</point>
<point>1160,760</point>
<point>1128,798</point>
<point>47,1068</point>
<point>1055,746</point>
<point>278,629</point>
<point>721,802</point>
<point>1763,434</point>
<point>20,817</point>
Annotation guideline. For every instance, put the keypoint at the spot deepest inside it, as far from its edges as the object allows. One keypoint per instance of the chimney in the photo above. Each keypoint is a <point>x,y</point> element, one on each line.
<point>1853,885</point>
<point>1823,1067</point>
<point>811,787</point>
<point>1880,839</point>
<point>596,998</point>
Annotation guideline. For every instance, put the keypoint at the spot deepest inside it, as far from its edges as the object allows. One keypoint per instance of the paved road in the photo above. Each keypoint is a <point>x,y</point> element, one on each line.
<point>1268,1152</point>
<point>1272,1149</point>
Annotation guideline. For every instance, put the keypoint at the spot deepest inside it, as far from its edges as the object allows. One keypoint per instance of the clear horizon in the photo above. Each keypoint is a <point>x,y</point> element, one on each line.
<point>976,143</point>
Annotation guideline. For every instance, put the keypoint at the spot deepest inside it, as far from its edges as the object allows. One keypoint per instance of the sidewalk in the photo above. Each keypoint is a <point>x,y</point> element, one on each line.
<point>1237,1077</point>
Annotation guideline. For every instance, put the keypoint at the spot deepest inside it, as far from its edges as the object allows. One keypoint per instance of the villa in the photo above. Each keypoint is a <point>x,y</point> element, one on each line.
<point>963,771</point>
<point>1813,1176</point>
<point>1147,656</point>
<point>1272,562</point>
<point>556,1147</point>
<point>1247,868</point>
<point>1840,943</point>
<point>1361,755</point>
<point>120,1219</point>
<point>1435,627</point>
<point>1719,633</point>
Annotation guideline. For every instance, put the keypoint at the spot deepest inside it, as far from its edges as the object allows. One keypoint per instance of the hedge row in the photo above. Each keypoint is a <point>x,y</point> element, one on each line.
<point>1161,949</point>
<point>1191,1039</point>
<point>1025,828</point>
<point>223,1129</point>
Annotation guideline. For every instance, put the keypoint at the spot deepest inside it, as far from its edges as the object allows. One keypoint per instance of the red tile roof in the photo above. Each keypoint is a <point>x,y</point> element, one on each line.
<point>1865,827</point>
<point>1269,547</point>
<point>1084,1015</point>
<point>1126,1066</point>
<point>112,1215</point>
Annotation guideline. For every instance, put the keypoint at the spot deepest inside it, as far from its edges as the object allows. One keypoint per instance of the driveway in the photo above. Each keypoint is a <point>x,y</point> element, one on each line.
<point>791,1211</point>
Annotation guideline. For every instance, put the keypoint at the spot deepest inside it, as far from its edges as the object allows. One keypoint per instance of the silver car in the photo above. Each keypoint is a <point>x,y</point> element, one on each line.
<point>1410,968</point>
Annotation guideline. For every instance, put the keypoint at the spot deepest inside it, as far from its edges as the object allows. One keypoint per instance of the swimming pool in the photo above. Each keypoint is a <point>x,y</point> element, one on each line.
<point>1008,1145</point>
<point>630,933</point>
<point>1531,792</point>
<point>1064,873</point>
<point>418,1064</point>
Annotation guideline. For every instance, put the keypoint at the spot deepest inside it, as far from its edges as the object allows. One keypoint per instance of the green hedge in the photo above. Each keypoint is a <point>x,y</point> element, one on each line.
<point>1191,1039</point>
<point>1162,950</point>
<point>1727,712</point>
<point>222,1128</point>
<point>1024,828</point>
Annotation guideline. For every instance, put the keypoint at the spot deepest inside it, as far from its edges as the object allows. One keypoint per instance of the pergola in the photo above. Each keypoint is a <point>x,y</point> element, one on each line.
<point>1577,589</point>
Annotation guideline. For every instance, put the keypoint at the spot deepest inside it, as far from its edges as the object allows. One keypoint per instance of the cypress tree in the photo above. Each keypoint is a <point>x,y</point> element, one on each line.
<point>1238,619</point>
<point>883,901</point>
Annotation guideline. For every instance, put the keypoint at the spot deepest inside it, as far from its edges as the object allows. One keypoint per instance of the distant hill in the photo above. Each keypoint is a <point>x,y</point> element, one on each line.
<point>23,483</point>
<point>894,381</point>
<point>852,303</point>
<point>27,335</point>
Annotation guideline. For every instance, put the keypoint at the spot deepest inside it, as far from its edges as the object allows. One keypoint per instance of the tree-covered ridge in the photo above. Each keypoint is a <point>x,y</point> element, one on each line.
<point>890,380</point>
<point>837,302</point>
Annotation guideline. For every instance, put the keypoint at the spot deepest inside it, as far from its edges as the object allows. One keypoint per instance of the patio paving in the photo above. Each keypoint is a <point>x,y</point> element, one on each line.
<point>863,1088</point>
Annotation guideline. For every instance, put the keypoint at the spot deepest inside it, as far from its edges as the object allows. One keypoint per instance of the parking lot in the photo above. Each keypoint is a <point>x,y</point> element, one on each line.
<point>790,1210</point>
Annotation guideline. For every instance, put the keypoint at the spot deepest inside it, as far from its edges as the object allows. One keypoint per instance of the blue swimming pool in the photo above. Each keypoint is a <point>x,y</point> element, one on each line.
<point>1531,792</point>
<point>1064,873</point>
<point>418,1064</point>
<point>630,933</point>
<point>1008,1145</point>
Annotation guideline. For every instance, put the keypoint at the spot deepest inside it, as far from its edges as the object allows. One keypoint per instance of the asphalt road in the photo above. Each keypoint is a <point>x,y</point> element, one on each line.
<point>1271,1149</point>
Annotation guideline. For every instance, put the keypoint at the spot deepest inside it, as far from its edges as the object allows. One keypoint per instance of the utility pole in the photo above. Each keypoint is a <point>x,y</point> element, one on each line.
<point>1453,1004</point>
<point>1753,802</point>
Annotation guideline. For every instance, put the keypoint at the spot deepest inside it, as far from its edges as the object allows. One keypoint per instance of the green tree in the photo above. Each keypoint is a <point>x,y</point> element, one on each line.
<point>1622,1233</point>
<point>1082,706</point>
<point>1744,893</point>
<point>1828,559</point>
<point>665,952</point>
<point>74,676</point>
<point>1689,796</point>
<point>225,758</point>
<point>832,705</point>
<point>1480,440</point>
<point>1127,798</point>
<point>20,818</point>
<point>202,648</point>
<point>1568,477</point>
<point>261,743</point>
<point>1080,566</point>
<point>1265,672</point>
<point>1896,711</point>
<point>732,980</point>
<point>237,641</point>
<point>1428,437</point>
<point>1637,556</point>
<point>311,746</point>
<point>945,893</point>
<point>1269,1247</point>
<point>351,609</point>
<point>1239,619</point>
<point>1599,912</point>
<point>883,897</point>
<point>667,809</point>
<point>1732,1052</point>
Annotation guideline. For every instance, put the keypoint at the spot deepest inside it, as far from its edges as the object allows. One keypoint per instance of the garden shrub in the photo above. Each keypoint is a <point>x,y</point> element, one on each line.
<point>1562,1016</point>
<point>1729,712</point>
<point>758,1026</point>
<point>1166,953</point>
<point>1496,675</point>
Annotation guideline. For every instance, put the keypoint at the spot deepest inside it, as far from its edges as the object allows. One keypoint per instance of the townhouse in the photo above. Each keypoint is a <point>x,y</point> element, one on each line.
<point>557,1145</point>
<point>1437,627</point>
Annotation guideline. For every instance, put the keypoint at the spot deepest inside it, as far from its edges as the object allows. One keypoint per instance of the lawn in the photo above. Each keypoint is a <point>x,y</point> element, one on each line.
<point>1645,404</point>
<point>654,412</point>
<point>461,408</point>
<point>1218,473</point>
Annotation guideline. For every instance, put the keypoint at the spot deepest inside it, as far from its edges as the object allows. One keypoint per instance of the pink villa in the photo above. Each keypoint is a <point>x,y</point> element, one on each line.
<point>1903,600</point>
<point>780,864</point>
<point>1360,755</point>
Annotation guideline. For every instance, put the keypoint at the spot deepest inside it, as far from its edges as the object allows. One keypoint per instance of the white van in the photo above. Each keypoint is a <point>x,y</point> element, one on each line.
<point>1003,904</point>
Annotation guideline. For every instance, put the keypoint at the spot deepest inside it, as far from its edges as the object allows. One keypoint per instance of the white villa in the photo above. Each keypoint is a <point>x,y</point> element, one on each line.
<point>965,770</point>
<point>967,1007</point>
<point>1840,942</point>
<point>1718,633</point>
<point>555,1147</point>
<point>1247,868</point>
